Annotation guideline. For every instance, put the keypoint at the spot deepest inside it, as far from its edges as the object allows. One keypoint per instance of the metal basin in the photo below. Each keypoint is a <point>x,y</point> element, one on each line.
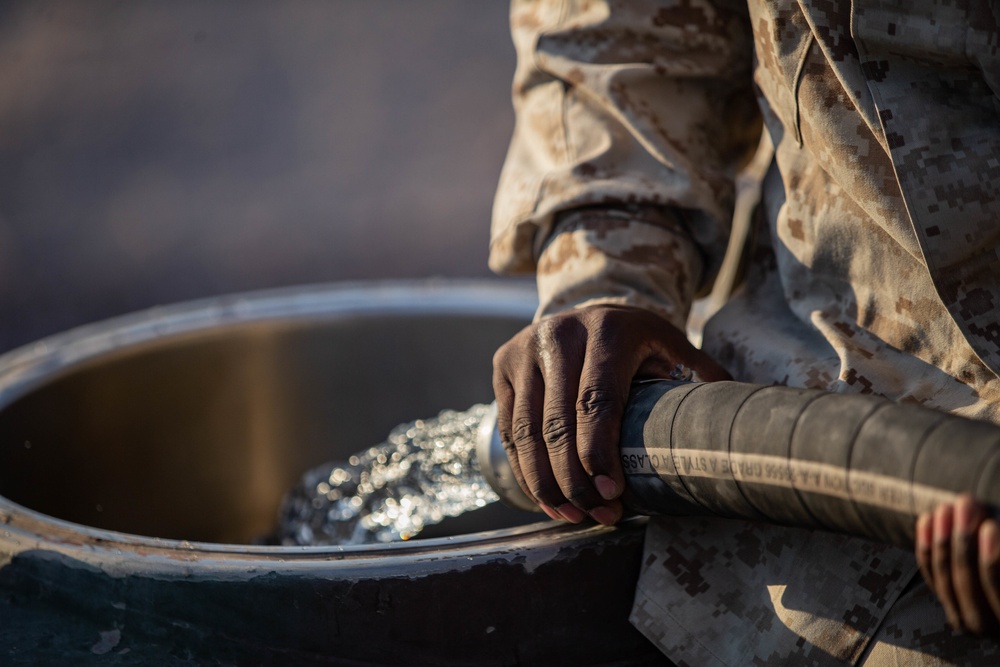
<point>141,457</point>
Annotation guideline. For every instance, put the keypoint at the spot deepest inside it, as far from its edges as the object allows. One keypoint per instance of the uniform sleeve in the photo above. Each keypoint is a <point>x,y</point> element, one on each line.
<point>632,118</point>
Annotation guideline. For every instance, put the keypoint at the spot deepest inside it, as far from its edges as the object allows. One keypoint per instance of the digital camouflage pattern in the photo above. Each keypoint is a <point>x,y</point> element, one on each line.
<point>718,592</point>
<point>784,618</point>
<point>876,267</point>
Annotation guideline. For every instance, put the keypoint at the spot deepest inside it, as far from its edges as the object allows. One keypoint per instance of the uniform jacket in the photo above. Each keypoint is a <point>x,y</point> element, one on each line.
<point>876,268</point>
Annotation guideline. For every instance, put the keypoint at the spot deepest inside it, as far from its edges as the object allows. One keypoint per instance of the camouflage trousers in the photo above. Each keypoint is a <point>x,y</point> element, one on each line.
<point>716,592</point>
<point>914,633</point>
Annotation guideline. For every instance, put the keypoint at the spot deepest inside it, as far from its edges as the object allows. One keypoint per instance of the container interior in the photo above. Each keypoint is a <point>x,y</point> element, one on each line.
<point>197,437</point>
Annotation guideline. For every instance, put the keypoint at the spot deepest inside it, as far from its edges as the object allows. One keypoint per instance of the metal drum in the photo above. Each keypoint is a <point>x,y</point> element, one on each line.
<point>141,457</point>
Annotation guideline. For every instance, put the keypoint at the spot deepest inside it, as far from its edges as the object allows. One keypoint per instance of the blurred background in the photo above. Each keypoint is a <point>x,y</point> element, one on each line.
<point>154,152</point>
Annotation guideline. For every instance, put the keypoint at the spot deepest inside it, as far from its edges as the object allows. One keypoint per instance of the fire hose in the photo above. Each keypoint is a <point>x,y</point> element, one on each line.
<point>856,464</point>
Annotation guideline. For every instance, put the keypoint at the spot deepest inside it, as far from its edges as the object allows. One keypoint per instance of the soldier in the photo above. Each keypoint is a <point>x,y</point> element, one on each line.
<point>876,269</point>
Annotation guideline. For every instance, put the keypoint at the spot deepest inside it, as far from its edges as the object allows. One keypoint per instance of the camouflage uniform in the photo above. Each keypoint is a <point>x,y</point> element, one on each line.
<point>876,267</point>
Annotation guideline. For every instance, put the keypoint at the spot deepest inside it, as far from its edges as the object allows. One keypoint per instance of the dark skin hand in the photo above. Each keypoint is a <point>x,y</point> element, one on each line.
<point>561,385</point>
<point>958,550</point>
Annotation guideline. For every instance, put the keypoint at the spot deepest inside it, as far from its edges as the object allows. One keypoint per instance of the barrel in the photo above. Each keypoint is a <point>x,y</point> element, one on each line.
<point>142,459</point>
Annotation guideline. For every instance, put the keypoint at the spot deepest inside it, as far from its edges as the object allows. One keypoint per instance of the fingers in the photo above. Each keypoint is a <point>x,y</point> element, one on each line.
<point>973,608</point>
<point>599,409</point>
<point>504,393</point>
<point>958,551</point>
<point>521,392</point>
<point>924,546</point>
<point>941,563</point>
<point>599,413</point>
<point>526,436</point>
<point>989,568</point>
<point>561,367</point>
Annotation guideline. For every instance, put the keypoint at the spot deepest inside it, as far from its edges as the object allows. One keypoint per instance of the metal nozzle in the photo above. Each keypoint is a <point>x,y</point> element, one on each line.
<point>495,465</point>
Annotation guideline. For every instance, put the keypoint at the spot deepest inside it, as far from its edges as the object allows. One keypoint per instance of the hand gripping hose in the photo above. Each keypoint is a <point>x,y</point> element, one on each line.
<point>850,463</point>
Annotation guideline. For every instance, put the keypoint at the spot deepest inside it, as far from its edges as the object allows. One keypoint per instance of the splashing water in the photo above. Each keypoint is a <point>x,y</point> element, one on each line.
<point>425,471</point>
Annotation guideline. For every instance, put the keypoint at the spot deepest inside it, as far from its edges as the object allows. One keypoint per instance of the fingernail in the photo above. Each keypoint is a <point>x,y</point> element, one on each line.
<point>606,487</point>
<point>603,515</point>
<point>943,521</point>
<point>963,515</point>
<point>989,541</point>
<point>571,513</point>
<point>925,530</point>
<point>554,515</point>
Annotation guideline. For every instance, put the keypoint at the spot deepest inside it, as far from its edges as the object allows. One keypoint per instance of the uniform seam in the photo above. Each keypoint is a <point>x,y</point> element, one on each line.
<point>799,75</point>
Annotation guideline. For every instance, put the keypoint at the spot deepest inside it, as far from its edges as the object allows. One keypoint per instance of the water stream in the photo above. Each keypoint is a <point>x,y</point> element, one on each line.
<point>426,470</point>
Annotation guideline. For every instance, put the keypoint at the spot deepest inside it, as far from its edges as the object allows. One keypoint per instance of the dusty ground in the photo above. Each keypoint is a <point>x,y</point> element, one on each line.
<point>153,152</point>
